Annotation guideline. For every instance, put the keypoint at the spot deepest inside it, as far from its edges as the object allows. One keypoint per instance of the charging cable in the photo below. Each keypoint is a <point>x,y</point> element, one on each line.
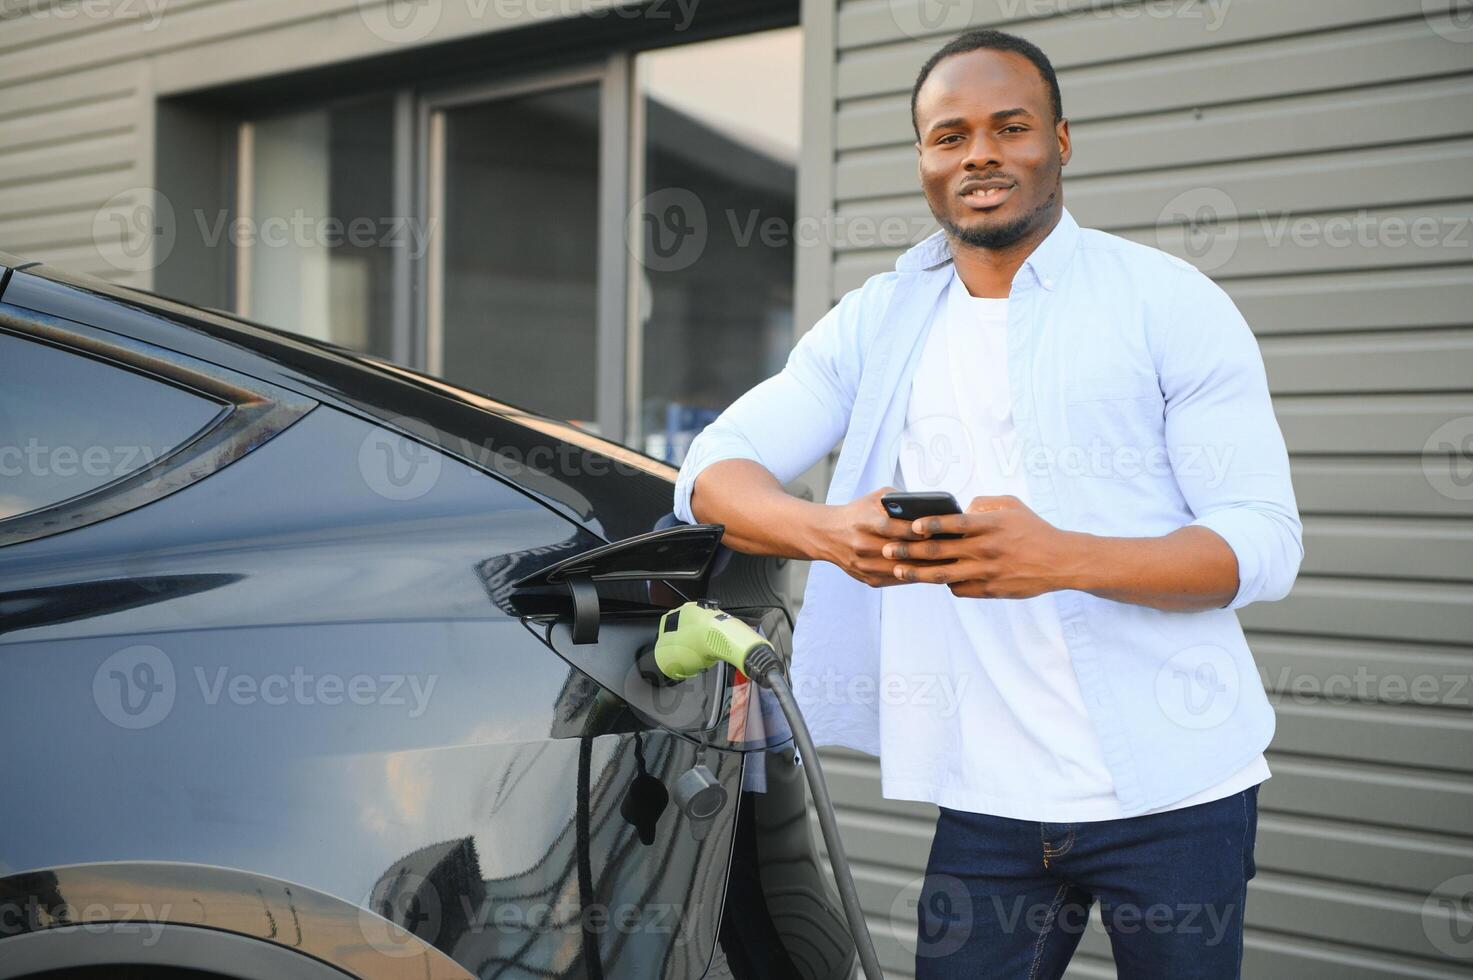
<point>698,635</point>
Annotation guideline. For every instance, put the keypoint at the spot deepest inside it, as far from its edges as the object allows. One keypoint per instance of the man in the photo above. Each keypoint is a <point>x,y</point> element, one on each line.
<point>1101,408</point>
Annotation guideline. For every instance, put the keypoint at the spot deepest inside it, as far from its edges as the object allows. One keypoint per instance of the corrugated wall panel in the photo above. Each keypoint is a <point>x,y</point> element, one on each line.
<point>78,84</point>
<point>67,147</point>
<point>1302,124</point>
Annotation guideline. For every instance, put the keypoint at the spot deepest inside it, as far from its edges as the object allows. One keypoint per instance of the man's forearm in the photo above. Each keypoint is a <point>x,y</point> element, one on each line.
<point>761,517</point>
<point>1192,568</point>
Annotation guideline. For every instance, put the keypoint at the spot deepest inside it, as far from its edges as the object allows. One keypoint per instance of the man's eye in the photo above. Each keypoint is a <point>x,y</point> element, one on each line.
<point>1021,129</point>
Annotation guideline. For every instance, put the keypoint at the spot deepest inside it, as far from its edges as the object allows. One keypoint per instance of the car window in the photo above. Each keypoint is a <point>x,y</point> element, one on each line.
<point>70,423</point>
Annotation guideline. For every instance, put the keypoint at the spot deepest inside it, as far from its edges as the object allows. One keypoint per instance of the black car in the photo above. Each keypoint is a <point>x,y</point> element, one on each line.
<point>314,666</point>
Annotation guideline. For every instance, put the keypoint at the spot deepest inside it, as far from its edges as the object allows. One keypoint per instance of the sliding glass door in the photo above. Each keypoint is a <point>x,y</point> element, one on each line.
<point>611,244</point>
<point>513,275</point>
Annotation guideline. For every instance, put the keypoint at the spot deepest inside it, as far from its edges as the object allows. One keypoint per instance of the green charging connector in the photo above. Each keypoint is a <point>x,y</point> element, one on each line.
<point>698,635</point>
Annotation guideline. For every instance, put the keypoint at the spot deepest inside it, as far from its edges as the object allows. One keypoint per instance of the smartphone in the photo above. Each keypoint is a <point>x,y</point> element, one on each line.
<point>921,503</point>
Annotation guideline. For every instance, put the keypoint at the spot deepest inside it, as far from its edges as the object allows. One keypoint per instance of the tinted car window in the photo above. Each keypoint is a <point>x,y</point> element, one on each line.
<point>70,424</point>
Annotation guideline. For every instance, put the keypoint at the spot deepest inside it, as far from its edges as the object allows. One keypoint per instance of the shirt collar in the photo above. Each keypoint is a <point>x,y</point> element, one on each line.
<point>1047,261</point>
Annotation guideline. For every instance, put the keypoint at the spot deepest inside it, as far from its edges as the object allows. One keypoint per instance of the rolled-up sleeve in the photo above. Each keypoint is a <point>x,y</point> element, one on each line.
<point>1224,443</point>
<point>791,420</point>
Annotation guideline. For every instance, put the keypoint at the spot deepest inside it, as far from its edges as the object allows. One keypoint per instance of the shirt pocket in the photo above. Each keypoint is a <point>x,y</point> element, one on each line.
<point>1117,424</point>
<point>1112,387</point>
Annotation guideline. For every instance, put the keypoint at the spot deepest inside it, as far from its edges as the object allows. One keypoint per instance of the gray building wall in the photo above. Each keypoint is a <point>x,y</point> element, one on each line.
<point>1343,114</point>
<point>1330,115</point>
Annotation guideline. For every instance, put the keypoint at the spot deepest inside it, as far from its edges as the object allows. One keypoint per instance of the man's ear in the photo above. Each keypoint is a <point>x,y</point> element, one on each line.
<point>1066,143</point>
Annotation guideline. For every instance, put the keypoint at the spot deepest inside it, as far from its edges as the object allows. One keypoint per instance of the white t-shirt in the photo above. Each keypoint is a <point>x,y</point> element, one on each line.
<point>980,709</point>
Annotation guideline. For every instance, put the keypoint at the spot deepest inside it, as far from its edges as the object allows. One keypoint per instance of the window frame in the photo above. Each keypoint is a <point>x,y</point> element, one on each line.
<point>252,412</point>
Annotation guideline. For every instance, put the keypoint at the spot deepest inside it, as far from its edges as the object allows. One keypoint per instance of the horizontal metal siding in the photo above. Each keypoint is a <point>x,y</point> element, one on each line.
<point>67,147</point>
<point>1326,110</point>
<point>78,84</point>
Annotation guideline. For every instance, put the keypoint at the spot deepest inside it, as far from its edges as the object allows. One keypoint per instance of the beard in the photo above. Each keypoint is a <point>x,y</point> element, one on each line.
<point>1003,235</point>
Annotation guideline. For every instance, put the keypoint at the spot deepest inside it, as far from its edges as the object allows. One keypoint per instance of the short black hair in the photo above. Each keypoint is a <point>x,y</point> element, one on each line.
<point>992,41</point>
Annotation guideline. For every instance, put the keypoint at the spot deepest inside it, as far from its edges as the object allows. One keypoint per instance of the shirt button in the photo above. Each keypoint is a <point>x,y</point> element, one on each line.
<point>1048,284</point>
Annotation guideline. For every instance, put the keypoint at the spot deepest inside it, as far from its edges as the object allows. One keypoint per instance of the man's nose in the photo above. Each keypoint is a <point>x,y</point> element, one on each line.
<point>983,152</point>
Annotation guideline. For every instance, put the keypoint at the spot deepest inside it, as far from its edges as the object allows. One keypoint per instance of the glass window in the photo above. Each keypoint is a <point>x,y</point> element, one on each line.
<point>320,225</point>
<point>519,300</point>
<point>70,424</point>
<point>714,277</point>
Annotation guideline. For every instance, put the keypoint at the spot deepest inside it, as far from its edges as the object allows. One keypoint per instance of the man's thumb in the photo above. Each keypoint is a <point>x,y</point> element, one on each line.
<point>980,505</point>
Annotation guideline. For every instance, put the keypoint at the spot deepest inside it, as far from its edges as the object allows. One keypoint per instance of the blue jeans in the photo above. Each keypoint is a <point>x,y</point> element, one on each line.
<point>1009,899</point>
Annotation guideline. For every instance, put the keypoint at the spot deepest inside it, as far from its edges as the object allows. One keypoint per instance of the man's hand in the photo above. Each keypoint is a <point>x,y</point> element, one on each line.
<point>1006,551</point>
<point>853,536</point>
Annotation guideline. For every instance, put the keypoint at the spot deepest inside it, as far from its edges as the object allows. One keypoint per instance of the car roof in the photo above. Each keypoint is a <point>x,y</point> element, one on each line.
<point>567,467</point>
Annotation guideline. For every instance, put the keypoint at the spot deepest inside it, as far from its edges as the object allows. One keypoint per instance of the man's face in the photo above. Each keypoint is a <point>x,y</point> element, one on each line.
<point>990,151</point>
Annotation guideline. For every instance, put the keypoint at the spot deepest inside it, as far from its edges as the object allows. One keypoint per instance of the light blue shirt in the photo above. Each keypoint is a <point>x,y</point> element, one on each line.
<point>1140,404</point>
